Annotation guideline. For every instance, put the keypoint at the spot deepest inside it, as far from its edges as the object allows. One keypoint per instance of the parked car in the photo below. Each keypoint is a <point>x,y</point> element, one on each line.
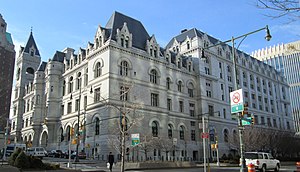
<point>66,154</point>
<point>12,147</point>
<point>55,153</point>
<point>81,155</point>
<point>262,161</point>
<point>36,151</point>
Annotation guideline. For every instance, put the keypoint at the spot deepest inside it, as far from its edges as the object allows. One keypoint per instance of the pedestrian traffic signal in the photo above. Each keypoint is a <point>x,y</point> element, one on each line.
<point>245,111</point>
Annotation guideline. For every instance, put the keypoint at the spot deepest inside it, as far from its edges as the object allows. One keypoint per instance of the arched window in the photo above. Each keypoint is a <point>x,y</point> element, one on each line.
<point>61,135</point>
<point>154,129</point>
<point>153,76</point>
<point>179,86</point>
<point>188,45</point>
<point>78,80</point>
<point>170,131</point>
<point>97,43</point>
<point>97,126</point>
<point>29,71</point>
<point>68,133</point>
<point>225,135</point>
<point>168,83</point>
<point>98,70</point>
<point>124,68</point>
<point>71,85</point>
<point>191,89</point>
<point>234,136</point>
<point>181,133</point>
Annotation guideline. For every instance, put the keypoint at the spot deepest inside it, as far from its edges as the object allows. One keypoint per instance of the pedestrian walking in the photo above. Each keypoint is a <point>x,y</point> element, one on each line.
<point>111,161</point>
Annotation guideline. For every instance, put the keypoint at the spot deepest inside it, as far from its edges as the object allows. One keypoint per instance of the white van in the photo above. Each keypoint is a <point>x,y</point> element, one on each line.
<point>36,151</point>
<point>12,147</point>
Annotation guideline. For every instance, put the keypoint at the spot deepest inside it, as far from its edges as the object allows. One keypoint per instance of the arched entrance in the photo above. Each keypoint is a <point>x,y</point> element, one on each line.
<point>44,139</point>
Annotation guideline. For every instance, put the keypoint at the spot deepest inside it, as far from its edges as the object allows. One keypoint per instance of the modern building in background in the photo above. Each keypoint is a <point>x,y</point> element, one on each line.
<point>286,59</point>
<point>162,92</point>
<point>7,63</point>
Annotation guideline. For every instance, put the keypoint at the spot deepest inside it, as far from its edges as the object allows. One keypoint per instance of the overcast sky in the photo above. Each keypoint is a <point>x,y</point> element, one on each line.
<point>72,23</point>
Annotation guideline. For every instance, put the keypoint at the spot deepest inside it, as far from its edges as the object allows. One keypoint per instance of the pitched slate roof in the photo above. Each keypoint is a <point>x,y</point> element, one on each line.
<point>181,37</point>
<point>42,66</point>
<point>58,56</point>
<point>139,33</point>
<point>31,43</point>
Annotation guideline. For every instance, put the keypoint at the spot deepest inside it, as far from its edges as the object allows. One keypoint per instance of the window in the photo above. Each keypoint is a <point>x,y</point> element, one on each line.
<point>71,85</point>
<point>97,97</point>
<point>206,70</point>
<point>154,99</point>
<point>124,68</point>
<point>226,136</point>
<point>169,104</point>
<point>153,76</point>
<point>154,129</point>
<point>69,110</point>
<point>179,86</point>
<point>168,83</point>
<point>192,109</point>
<point>170,131</point>
<point>64,88</point>
<point>124,93</point>
<point>86,77</point>
<point>180,106</point>
<point>188,45</point>
<point>191,90</point>
<point>224,113</point>
<point>78,80</point>
<point>193,123</point>
<point>98,70</point>
<point>208,93</point>
<point>193,135</point>
<point>97,126</point>
<point>77,105</point>
<point>181,133</point>
<point>210,110</point>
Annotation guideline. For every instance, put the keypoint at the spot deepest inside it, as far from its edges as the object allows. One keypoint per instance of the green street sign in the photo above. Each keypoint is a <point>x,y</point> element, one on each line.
<point>135,139</point>
<point>237,108</point>
<point>246,121</point>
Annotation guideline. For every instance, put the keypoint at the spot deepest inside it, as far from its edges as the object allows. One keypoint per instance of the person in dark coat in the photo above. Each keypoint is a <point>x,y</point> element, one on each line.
<point>111,161</point>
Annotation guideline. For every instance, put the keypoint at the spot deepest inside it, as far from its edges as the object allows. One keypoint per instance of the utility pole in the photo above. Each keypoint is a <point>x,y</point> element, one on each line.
<point>5,139</point>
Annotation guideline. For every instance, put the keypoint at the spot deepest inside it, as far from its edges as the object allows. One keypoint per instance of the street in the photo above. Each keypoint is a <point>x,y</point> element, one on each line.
<point>95,164</point>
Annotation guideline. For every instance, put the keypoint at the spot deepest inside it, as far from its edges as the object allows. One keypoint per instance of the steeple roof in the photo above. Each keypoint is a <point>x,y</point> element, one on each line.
<point>31,43</point>
<point>137,29</point>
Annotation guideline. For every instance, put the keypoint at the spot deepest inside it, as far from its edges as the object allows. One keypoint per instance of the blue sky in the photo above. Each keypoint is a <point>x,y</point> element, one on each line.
<point>72,23</point>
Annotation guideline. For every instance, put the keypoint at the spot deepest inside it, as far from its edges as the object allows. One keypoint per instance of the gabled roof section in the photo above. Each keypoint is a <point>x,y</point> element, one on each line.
<point>31,43</point>
<point>139,33</point>
<point>180,38</point>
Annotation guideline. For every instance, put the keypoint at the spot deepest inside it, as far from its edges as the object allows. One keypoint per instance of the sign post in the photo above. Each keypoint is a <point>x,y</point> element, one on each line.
<point>236,101</point>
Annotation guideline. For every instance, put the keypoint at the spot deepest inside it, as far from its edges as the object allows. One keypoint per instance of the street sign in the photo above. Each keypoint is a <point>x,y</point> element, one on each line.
<point>246,121</point>
<point>236,101</point>
<point>204,135</point>
<point>135,138</point>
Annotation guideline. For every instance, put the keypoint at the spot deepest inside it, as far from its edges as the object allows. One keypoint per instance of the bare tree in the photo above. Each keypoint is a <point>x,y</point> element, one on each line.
<point>288,8</point>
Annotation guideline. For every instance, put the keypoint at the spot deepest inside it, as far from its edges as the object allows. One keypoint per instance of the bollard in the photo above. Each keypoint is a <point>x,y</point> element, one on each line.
<point>298,166</point>
<point>251,168</point>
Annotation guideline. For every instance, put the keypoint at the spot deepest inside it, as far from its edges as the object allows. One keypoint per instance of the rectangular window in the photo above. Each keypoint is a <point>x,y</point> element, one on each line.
<point>180,106</point>
<point>77,105</point>
<point>193,123</point>
<point>208,93</point>
<point>211,110</point>
<point>97,97</point>
<point>224,113</point>
<point>207,70</point>
<point>69,107</point>
<point>192,109</point>
<point>62,109</point>
<point>124,93</point>
<point>154,99</point>
<point>85,101</point>
<point>169,104</point>
<point>193,135</point>
<point>191,92</point>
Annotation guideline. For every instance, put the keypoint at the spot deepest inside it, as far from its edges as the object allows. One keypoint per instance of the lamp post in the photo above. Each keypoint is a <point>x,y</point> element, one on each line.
<point>240,127</point>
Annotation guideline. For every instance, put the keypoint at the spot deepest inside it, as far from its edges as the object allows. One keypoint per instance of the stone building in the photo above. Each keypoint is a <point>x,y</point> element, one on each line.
<point>162,92</point>
<point>7,63</point>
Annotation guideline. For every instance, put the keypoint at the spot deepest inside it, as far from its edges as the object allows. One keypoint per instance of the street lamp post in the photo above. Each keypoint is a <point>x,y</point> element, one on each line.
<point>240,127</point>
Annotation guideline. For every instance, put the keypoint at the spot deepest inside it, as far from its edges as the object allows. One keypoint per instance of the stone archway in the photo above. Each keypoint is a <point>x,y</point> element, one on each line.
<point>44,139</point>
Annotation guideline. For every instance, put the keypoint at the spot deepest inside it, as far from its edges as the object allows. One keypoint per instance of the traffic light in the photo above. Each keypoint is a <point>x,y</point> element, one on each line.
<point>252,120</point>
<point>72,131</point>
<point>245,111</point>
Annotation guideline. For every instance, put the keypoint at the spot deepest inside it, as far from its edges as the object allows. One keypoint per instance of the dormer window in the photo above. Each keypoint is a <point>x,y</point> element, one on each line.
<point>188,45</point>
<point>32,52</point>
